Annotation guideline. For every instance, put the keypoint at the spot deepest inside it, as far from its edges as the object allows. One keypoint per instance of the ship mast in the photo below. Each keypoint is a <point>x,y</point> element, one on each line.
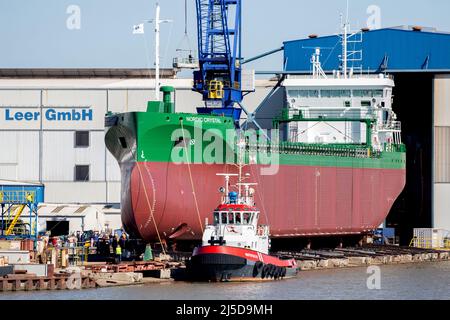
<point>345,25</point>
<point>240,164</point>
<point>157,23</point>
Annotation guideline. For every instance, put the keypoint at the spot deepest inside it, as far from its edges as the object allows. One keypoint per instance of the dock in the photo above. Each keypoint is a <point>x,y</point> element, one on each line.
<point>88,277</point>
<point>367,255</point>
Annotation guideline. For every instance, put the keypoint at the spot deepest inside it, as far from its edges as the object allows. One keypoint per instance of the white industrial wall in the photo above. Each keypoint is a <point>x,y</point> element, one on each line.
<point>441,216</point>
<point>44,151</point>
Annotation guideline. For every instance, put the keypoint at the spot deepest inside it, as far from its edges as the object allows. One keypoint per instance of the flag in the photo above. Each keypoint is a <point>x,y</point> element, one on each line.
<point>138,29</point>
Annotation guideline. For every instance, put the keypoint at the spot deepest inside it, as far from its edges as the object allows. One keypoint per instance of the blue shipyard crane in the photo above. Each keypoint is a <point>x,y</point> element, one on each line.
<point>219,79</point>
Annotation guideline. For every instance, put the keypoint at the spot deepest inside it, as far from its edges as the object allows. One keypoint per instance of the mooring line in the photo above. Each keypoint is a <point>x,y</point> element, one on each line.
<point>190,177</point>
<point>133,155</point>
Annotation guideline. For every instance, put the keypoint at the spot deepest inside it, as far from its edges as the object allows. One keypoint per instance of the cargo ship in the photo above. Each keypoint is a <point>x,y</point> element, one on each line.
<point>333,165</point>
<point>344,185</point>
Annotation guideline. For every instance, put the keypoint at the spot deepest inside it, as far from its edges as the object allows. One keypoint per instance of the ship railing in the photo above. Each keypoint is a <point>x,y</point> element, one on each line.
<point>17,197</point>
<point>391,126</point>
<point>430,243</point>
<point>354,76</point>
<point>391,147</point>
<point>350,151</point>
<point>289,114</point>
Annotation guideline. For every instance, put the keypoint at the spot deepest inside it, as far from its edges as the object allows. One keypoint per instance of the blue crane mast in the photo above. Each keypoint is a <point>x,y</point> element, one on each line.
<point>219,79</point>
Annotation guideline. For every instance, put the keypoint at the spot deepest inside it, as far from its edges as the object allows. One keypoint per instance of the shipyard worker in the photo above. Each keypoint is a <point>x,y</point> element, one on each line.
<point>115,243</point>
<point>123,241</point>
<point>118,254</point>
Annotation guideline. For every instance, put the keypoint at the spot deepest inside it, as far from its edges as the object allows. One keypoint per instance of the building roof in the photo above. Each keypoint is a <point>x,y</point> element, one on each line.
<point>85,73</point>
<point>9,183</point>
<point>397,49</point>
<point>74,210</point>
<point>102,84</point>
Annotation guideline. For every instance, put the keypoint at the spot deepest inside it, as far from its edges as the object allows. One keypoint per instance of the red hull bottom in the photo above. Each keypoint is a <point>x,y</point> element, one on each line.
<point>298,201</point>
<point>229,264</point>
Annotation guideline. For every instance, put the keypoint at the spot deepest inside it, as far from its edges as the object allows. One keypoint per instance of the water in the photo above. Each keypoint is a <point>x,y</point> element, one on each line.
<point>400,282</point>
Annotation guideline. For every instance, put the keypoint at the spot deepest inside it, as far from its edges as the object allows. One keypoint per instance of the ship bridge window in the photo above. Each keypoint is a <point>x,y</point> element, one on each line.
<point>378,93</point>
<point>368,93</point>
<point>238,218</point>
<point>246,218</point>
<point>308,93</point>
<point>336,93</point>
<point>231,217</point>
<point>216,218</point>
<point>224,217</point>
<point>293,93</point>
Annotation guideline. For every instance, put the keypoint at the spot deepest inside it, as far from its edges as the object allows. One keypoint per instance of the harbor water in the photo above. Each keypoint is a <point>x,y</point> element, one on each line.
<point>424,281</point>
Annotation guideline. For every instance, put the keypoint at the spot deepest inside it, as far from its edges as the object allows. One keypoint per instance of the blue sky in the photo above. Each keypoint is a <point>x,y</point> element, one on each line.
<point>33,33</point>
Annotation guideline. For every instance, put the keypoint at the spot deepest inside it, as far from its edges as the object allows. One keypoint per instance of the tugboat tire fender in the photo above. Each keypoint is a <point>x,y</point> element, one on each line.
<point>272,270</point>
<point>265,271</point>
<point>257,268</point>
<point>277,273</point>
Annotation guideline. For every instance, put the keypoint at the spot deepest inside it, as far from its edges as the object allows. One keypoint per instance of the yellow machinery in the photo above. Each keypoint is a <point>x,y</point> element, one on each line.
<point>15,201</point>
<point>216,89</point>
<point>429,243</point>
<point>16,218</point>
<point>29,199</point>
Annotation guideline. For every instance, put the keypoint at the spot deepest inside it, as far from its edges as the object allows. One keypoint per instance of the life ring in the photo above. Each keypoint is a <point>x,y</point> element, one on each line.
<point>257,268</point>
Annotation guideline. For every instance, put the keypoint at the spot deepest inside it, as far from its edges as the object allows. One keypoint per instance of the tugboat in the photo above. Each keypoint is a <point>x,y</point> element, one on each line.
<point>235,247</point>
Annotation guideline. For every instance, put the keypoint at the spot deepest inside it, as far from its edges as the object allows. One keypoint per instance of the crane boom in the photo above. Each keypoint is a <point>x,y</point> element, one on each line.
<point>219,79</point>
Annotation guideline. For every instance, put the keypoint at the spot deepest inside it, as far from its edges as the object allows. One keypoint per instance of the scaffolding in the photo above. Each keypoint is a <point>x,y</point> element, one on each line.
<point>19,206</point>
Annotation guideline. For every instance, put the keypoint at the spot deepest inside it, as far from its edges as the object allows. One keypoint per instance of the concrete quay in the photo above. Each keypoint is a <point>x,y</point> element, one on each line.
<point>309,260</point>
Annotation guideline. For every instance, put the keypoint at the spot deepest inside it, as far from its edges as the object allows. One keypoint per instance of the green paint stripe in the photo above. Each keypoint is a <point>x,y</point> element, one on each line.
<point>154,144</point>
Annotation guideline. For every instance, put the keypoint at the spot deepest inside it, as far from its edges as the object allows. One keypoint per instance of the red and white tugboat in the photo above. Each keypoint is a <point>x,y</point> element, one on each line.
<point>235,247</point>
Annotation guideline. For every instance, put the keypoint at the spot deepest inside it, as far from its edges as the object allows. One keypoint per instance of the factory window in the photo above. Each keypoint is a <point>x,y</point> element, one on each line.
<point>81,173</point>
<point>81,139</point>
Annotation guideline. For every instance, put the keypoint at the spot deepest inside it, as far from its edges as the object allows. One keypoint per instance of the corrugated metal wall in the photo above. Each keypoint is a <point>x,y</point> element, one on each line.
<point>396,50</point>
<point>441,217</point>
<point>442,155</point>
